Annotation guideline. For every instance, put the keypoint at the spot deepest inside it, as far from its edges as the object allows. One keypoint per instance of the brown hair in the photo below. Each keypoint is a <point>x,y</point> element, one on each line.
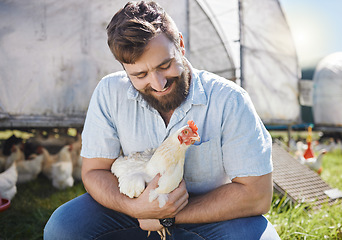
<point>133,26</point>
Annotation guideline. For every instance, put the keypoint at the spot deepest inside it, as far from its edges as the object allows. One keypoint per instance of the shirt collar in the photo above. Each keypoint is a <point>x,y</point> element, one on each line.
<point>197,94</point>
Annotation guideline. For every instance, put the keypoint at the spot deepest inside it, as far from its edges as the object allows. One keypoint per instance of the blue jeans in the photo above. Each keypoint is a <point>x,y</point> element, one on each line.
<point>84,218</point>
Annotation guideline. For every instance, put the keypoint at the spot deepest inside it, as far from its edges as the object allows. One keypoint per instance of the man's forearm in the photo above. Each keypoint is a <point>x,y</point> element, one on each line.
<point>233,200</point>
<point>102,185</point>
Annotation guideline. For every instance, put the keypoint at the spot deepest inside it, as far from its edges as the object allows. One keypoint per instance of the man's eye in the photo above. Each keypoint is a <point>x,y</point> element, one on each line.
<point>141,76</point>
<point>165,66</point>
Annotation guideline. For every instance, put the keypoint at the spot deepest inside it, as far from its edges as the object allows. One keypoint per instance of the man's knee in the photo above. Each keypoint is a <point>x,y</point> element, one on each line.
<point>58,227</point>
<point>257,227</point>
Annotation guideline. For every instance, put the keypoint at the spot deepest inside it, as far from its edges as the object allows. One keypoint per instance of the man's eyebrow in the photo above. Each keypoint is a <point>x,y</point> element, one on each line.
<point>159,65</point>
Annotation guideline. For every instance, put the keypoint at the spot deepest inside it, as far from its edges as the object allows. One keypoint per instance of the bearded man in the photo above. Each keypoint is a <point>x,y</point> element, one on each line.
<point>227,182</point>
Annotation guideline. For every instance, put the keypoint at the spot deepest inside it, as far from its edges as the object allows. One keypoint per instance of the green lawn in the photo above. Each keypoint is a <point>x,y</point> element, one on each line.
<point>36,200</point>
<point>31,208</point>
<point>299,221</point>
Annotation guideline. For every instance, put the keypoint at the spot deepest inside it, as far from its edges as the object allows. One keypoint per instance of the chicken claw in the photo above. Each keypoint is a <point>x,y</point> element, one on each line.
<point>162,233</point>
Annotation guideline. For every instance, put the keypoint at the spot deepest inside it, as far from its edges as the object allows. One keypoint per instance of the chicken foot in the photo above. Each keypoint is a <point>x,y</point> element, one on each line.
<point>162,233</point>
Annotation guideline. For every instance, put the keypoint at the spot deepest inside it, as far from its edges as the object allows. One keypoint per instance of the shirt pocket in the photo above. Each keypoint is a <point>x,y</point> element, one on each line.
<point>203,161</point>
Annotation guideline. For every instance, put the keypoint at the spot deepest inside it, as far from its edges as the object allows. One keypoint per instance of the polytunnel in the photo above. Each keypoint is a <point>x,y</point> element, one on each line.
<point>53,53</point>
<point>327,91</point>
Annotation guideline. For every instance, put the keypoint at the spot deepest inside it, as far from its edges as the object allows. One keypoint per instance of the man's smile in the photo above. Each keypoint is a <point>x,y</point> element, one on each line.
<point>167,89</point>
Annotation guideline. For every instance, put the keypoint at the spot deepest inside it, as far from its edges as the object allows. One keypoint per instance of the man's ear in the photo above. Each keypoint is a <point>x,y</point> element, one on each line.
<point>181,43</point>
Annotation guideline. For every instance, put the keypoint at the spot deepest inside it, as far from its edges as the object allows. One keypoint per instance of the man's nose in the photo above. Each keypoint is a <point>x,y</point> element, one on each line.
<point>158,81</point>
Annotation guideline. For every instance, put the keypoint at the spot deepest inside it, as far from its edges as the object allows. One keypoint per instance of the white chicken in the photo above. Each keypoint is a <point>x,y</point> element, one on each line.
<point>16,155</point>
<point>48,160</point>
<point>29,169</point>
<point>138,169</point>
<point>8,181</point>
<point>61,173</point>
<point>63,155</point>
<point>58,167</point>
<point>314,163</point>
<point>135,170</point>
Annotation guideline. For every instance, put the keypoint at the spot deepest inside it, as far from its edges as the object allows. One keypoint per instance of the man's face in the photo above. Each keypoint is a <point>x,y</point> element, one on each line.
<point>161,74</point>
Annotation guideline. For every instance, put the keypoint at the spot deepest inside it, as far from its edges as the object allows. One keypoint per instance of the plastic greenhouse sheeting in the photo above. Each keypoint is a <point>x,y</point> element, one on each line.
<point>53,53</point>
<point>327,91</point>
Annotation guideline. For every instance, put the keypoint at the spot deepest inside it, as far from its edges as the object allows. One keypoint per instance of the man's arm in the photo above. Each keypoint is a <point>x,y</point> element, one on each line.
<point>244,197</point>
<point>102,185</point>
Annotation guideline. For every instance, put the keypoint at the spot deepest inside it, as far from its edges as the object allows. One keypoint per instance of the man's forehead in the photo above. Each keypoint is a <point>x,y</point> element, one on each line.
<point>158,51</point>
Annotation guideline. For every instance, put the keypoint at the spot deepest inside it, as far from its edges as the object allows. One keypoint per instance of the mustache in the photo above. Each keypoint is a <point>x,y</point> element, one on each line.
<point>169,82</point>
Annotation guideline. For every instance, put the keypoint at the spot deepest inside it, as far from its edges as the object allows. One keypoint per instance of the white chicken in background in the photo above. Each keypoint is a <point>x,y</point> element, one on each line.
<point>29,169</point>
<point>48,160</point>
<point>314,163</point>
<point>308,158</point>
<point>58,167</point>
<point>62,156</point>
<point>61,170</point>
<point>61,173</point>
<point>17,155</point>
<point>292,145</point>
<point>300,149</point>
<point>8,181</point>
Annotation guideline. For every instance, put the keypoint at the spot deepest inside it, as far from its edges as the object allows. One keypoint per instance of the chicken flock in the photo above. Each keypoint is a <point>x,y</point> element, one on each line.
<point>18,166</point>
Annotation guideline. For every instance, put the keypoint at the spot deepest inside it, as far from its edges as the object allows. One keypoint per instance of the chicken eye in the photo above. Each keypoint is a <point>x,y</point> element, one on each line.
<point>185,132</point>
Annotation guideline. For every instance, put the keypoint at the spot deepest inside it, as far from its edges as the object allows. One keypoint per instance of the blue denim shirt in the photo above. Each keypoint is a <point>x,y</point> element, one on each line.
<point>234,141</point>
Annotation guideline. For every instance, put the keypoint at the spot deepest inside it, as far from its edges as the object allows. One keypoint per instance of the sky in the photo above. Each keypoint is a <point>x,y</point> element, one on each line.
<point>316,28</point>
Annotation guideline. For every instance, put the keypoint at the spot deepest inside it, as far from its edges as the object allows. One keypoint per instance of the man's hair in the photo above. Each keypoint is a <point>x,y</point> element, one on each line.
<point>133,26</point>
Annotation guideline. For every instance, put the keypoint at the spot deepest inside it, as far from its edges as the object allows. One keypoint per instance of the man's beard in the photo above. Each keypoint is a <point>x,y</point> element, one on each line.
<point>173,99</point>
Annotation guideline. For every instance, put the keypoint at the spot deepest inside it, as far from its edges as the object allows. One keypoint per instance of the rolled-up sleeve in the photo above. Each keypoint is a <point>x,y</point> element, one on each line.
<point>246,144</point>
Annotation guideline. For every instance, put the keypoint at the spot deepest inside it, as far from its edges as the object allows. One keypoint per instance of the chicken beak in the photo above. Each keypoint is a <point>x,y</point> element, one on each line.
<point>194,139</point>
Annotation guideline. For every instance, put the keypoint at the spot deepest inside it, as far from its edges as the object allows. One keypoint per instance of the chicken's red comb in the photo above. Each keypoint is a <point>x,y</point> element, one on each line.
<point>192,125</point>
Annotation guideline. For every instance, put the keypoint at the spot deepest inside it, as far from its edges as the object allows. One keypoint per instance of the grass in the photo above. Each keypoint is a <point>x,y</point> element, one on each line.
<point>31,208</point>
<point>300,221</point>
<point>35,201</point>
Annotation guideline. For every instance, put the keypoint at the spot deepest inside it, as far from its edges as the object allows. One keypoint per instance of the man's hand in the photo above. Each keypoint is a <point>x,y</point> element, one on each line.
<point>143,209</point>
<point>150,224</point>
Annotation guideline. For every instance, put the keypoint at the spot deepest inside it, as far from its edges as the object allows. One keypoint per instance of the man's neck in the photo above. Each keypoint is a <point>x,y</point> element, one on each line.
<point>166,116</point>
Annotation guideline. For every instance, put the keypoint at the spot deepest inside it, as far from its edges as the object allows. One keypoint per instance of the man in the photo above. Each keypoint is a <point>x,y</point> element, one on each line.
<point>227,182</point>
